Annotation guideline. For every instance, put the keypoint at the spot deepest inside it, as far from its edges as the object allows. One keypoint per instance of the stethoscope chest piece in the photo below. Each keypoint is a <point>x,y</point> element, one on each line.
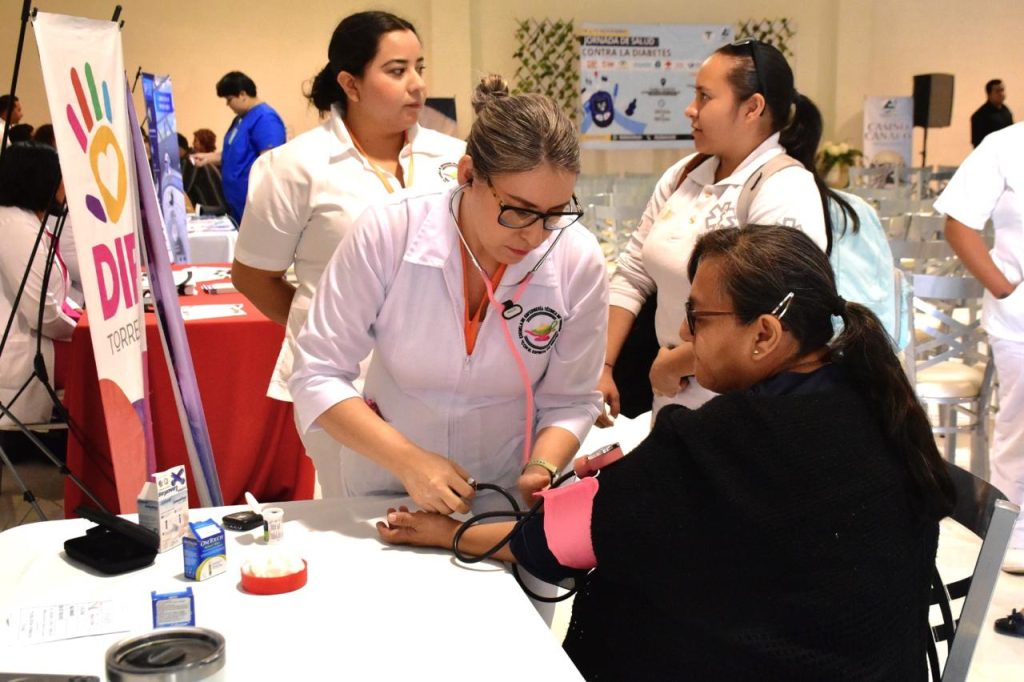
<point>511,310</point>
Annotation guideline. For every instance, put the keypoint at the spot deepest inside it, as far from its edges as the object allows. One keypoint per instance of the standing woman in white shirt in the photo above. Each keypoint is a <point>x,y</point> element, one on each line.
<point>486,309</point>
<point>745,112</point>
<point>305,195</point>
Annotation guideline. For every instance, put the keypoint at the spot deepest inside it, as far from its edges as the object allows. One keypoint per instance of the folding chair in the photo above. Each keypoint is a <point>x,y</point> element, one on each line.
<point>947,360</point>
<point>984,511</point>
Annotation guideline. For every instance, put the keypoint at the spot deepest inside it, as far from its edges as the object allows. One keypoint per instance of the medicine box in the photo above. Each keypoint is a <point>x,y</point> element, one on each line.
<point>204,549</point>
<point>174,609</point>
<point>163,506</point>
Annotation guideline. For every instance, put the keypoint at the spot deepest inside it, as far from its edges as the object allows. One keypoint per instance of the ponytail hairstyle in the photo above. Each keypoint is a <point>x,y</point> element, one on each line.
<point>517,133</point>
<point>353,46</point>
<point>761,68</point>
<point>759,265</point>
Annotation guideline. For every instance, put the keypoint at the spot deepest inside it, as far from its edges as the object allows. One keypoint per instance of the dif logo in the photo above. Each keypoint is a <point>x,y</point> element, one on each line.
<point>116,270</point>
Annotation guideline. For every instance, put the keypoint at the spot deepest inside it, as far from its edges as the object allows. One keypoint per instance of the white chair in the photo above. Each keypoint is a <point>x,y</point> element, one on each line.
<point>613,226</point>
<point>947,360</point>
<point>984,511</point>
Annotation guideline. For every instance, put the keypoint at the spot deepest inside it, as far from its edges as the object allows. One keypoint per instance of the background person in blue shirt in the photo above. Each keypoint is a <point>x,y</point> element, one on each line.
<point>257,128</point>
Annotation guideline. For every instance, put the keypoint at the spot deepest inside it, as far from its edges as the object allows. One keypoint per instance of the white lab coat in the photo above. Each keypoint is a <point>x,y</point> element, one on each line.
<point>304,197</point>
<point>396,286</point>
<point>19,229</point>
<point>654,261</point>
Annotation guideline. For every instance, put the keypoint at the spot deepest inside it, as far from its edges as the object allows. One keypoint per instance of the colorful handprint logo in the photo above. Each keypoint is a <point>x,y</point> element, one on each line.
<point>102,139</point>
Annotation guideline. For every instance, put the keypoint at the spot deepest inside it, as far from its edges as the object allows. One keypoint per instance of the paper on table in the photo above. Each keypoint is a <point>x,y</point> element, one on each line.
<point>213,311</point>
<point>36,624</point>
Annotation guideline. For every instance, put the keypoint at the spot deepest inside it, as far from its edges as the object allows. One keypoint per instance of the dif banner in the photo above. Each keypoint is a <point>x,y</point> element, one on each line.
<point>83,71</point>
<point>888,130</point>
<point>166,164</point>
<point>636,81</point>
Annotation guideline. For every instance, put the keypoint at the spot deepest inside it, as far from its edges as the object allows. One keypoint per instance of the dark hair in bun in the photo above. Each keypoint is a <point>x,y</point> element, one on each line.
<point>353,46</point>
<point>517,133</point>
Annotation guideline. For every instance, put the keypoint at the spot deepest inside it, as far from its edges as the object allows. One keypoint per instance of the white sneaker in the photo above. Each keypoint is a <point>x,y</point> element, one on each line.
<point>1013,562</point>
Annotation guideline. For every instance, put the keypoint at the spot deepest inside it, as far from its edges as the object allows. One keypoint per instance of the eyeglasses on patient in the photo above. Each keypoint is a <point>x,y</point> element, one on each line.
<point>518,217</point>
<point>692,315</point>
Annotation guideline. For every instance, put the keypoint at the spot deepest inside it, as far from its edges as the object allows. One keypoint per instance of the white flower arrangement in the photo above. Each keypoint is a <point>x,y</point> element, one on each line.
<point>832,154</point>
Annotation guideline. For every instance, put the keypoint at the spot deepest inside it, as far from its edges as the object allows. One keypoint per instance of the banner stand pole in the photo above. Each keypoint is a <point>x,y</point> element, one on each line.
<point>17,67</point>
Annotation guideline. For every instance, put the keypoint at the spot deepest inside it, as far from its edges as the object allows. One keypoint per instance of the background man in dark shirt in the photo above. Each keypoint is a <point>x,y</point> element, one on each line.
<point>993,115</point>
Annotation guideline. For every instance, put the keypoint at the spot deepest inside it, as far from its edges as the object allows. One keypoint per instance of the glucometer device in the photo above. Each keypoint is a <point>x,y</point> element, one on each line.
<point>242,520</point>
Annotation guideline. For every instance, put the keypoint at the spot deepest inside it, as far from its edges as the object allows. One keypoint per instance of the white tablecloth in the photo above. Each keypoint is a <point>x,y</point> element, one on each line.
<point>214,246</point>
<point>368,612</point>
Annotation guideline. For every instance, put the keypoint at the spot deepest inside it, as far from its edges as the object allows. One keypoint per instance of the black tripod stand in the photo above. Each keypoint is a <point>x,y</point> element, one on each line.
<point>39,372</point>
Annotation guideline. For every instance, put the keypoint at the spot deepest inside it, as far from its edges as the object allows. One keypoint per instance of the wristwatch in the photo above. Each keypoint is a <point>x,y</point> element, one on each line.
<point>543,464</point>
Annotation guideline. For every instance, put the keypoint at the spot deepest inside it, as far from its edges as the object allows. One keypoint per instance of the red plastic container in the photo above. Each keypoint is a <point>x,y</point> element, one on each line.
<point>276,585</point>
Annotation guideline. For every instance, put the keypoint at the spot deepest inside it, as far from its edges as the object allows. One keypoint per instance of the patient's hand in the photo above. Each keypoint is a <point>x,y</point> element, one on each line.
<point>422,529</point>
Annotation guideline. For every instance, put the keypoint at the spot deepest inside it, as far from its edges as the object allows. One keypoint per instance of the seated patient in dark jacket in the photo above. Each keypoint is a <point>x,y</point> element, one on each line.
<point>784,530</point>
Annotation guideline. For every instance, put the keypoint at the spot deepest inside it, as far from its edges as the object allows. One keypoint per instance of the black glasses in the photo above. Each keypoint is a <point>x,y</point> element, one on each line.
<point>693,315</point>
<point>751,46</point>
<point>517,217</point>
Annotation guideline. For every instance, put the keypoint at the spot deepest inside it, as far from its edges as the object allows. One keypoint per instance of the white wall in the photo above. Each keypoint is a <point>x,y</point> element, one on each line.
<point>845,49</point>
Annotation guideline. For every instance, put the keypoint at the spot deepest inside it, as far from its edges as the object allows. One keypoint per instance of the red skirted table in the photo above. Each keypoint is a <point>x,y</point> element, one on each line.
<point>255,444</point>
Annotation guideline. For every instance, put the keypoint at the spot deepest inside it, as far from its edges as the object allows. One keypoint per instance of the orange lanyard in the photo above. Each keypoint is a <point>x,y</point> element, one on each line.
<point>378,171</point>
<point>471,325</point>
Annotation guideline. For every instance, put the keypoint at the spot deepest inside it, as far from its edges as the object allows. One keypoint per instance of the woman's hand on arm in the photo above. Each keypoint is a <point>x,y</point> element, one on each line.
<point>266,289</point>
<point>201,159</point>
<point>620,322</point>
<point>434,483</point>
<point>670,369</point>
<point>555,446</point>
<point>426,529</point>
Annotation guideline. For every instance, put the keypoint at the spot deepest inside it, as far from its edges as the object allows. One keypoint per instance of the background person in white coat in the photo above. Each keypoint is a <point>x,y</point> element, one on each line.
<point>305,195</point>
<point>745,112</point>
<point>444,396</point>
<point>990,185</point>
<point>30,180</point>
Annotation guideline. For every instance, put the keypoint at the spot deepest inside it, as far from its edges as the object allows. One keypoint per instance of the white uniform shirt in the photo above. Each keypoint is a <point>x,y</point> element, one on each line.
<point>19,229</point>
<point>990,184</point>
<point>396,285</point>
<point>658,252</point>
<point>304,197</point>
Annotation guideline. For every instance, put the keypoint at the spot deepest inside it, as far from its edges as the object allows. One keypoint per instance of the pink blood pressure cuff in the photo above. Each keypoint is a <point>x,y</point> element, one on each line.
<point>567,512</point>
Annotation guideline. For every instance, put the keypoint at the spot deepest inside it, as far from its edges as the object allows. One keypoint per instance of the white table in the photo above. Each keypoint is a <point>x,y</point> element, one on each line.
<point>369,611</point>
<point>209,241</point>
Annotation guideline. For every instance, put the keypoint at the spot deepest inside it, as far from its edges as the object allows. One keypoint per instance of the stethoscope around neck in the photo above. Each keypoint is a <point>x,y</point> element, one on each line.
<point>509,310</point>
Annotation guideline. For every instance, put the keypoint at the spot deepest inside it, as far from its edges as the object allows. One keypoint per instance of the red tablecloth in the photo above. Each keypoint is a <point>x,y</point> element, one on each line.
<point>254,440</point>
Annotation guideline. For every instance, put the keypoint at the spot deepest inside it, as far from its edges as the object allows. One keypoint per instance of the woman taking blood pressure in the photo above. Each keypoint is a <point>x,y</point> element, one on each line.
<point>485,306</point>
<point>785,530</point>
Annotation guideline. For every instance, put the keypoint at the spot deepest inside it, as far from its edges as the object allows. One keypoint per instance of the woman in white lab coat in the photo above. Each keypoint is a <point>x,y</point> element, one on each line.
<point>464,383</point>
<point>29,181</point>
<point>305,195</point>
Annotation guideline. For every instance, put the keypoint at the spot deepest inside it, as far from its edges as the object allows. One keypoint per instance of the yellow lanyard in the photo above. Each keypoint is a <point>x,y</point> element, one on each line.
<point>378,171</point>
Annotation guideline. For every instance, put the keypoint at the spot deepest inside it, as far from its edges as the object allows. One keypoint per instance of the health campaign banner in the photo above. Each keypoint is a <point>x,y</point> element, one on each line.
<point>636,81</point>
<point>166,164</point>
<point>83,72</point>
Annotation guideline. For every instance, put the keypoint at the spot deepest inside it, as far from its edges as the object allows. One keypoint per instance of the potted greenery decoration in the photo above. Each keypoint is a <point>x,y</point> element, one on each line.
<point>835,161</point>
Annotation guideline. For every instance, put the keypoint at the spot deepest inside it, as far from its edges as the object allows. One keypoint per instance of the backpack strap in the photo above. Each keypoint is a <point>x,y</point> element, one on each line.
<point>756,181</point>
<point>697,160</point>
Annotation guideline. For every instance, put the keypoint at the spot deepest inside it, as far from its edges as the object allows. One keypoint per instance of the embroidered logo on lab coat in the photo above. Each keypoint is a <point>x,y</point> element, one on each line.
<point>449,171</point>
<point>721,215</point>
<point>539,328</point>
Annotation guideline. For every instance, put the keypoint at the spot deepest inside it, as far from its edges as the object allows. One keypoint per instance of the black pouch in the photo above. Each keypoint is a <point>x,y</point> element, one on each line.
<point>115,546</point>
